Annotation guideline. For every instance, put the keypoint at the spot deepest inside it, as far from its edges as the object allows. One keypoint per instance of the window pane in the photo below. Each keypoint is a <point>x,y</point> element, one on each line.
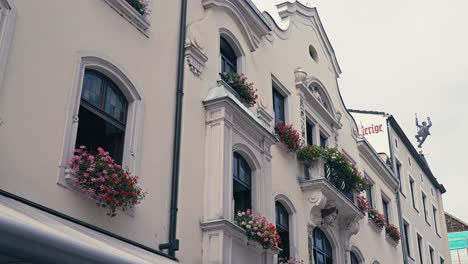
<point>92,85</point>
<point>228,57</point>
<point>115,104</point>
<point>323,141</point>
<point>309,131</point>
<point>278,106</point>
<point>94,132</point>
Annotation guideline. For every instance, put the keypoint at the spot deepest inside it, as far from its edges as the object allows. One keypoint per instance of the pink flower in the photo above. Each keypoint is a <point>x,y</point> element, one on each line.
<point>90,157</point>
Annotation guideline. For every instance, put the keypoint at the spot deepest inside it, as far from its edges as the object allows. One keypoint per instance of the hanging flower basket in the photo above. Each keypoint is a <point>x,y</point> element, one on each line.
<point>98,176</point>
<point>245,91</point>
<point>258,229</point>
<point>288,135</point>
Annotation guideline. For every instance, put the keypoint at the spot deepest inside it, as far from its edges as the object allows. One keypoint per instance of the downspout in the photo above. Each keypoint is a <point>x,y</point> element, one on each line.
<point>173,244</point>
<point>400,216</point>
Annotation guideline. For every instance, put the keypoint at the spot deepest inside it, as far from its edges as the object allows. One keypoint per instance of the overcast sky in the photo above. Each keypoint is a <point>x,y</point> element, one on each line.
<point>403,57</point>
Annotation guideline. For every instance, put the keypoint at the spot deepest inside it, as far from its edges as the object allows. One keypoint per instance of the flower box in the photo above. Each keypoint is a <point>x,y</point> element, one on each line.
<point>100,178</point>
<point>258,229</point>
<point>243,90</point>
<point>377,218</point>
<point>392,241</point>
<point>392,233</point>
<point>288,135</point>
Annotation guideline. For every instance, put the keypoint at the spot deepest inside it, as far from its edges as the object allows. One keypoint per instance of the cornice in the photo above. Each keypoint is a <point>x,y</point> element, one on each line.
<point>253,24</point>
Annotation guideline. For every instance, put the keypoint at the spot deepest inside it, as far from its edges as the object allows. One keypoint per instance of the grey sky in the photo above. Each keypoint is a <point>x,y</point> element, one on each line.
<point>404,57</point>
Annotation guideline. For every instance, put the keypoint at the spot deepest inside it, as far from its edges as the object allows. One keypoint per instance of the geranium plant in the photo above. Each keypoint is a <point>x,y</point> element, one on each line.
<point>310,154</point>
<point>288,135</point>
<point>393,232</point>
<point>258,229</point>
<point>376,217</point>
<point>100,177</point>
<point>340,171</point>
<point>141,6</point>
<point>363,204</point>
<point>238,82</point>
<point>290,260</point>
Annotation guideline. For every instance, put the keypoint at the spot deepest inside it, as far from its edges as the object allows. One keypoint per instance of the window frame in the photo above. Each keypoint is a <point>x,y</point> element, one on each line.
<point>407,233</point>
<point>420,247</point>
<point>386,208</point>
<point>424,206</point>
<point>326,241</point>
<point>134,114</point>
<point>278,97</point>
<point>280,228</point>
<point>238,180</point>
<point>235,45</point>
<point>434,215</point>
<point>413,197</point>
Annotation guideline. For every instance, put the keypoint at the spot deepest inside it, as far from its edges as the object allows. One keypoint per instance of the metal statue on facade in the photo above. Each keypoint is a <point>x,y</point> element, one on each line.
<point>423,130</point>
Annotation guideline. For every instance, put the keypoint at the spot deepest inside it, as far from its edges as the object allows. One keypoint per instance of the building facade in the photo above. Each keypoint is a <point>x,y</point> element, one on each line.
<point>424,233</point>
<point>458,238</point>
<point>113,79</point>
<point>93,73</point>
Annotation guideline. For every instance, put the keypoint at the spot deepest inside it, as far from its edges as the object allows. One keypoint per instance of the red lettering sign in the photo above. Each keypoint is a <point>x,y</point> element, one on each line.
<point>372,129</point>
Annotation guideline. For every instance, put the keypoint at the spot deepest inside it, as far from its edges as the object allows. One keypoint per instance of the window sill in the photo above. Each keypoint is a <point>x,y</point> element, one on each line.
<point>428,223</point>
<point>66,182</point>
<point>411,259</point>
<point>129,13</point>
<point>403,194</point>
<point>417,211</point>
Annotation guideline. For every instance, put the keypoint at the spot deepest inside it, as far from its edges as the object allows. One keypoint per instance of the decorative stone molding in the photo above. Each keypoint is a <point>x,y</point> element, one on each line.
<point>265,117</point>
<point>128,12</point>
<point>194,54</point>
<point>252,23</point>
<point>298,13</point>
<point>299,75</point>
<point>196,59</point>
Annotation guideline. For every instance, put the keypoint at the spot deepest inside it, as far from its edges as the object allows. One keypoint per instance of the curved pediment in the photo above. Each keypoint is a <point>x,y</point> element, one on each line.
<point>295,14</point>
<point>252,23</point>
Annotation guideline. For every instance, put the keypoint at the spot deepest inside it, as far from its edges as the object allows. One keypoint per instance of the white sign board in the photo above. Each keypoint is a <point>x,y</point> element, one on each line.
<point>374,128</point>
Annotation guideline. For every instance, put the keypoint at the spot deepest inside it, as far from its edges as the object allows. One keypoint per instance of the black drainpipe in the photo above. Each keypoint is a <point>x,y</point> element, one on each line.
<point>173,244</point>
<point>400,213</point>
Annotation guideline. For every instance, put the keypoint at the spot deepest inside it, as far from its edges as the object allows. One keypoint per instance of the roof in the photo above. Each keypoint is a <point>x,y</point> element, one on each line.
<point>419,158</point>
<point>259,14</point>
<point>455,224</point>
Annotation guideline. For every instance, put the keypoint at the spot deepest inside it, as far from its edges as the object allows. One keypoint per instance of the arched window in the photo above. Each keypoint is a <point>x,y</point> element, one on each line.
<point>242,187</point>
<point>102,115</point>
<point>282,225</point>
<point>354,258</point>
<point>228,57</point>
<point>322,249</point>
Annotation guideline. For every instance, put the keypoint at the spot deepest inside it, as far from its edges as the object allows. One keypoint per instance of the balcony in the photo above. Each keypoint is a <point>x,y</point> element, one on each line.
<point>330,200</point>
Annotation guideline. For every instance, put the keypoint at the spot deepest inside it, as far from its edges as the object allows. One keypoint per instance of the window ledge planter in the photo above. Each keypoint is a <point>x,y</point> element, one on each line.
<point>255,227</point>
<point>289,136</point>
<point>374,226</point>
<point>242,89</point>
<point>232,229</point>
<point>140,21</point>
<point>100,178</point>
<point>392,241</point>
